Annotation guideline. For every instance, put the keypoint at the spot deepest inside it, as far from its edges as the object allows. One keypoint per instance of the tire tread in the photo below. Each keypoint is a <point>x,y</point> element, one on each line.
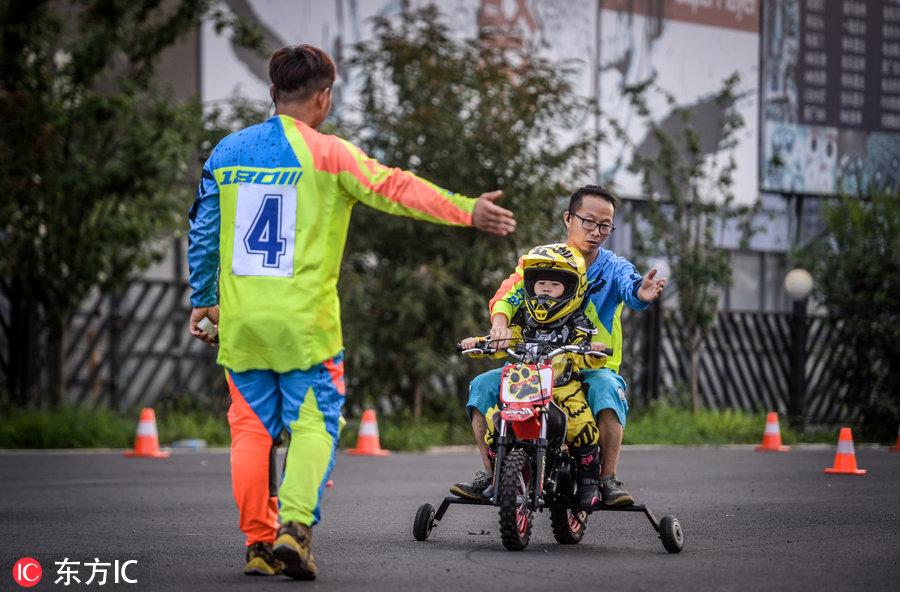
<point>514,463</point>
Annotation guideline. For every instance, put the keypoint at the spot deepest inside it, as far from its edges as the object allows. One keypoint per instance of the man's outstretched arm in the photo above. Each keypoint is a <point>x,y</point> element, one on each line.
<point>402,193</point>
<point>635,290</point>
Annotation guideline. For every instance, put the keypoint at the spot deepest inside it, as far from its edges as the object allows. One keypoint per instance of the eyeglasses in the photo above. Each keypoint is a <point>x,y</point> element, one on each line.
<point>589,225</point>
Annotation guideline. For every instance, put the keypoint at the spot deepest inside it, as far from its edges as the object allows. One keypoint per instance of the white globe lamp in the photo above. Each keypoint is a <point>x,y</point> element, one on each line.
<point>798,283</point>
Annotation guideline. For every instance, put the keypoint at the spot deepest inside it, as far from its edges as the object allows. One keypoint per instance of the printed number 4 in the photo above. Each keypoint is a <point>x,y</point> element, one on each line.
<point>264,237</point>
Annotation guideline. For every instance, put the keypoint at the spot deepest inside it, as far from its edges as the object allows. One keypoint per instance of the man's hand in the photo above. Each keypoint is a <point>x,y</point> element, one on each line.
<point>651,288</point>
<point>500,332</point>
<point>597,346</point>
<point>468,343</point>
<point>196,315</point>
<point>490,217</point>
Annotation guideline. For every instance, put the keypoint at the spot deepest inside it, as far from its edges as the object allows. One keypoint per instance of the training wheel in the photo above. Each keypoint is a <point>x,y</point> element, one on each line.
<point>424,522</point>
<point>670,534</point>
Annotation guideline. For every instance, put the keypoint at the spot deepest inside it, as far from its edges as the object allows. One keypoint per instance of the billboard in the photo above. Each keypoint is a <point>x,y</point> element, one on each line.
<point>690,47</point>
<point>830,95</point>
<point>558,30</point>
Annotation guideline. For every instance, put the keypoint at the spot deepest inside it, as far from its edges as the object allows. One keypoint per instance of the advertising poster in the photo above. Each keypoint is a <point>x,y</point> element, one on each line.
<point>830,92</point>
<point>690,47</point>
<point>557,30</point>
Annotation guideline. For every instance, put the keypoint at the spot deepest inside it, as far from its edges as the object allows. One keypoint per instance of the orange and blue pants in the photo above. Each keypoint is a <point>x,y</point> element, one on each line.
<point>307,403</point>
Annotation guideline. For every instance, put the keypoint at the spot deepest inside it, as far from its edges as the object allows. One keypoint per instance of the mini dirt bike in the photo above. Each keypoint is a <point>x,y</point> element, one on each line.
<point>533,468</point>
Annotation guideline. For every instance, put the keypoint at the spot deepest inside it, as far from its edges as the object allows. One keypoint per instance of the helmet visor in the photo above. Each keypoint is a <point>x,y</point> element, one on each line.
<point>568,279</point>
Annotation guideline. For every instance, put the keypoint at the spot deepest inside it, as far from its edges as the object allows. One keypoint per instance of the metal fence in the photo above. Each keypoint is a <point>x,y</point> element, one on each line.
<point>749,361</point>
<point>135,349</point>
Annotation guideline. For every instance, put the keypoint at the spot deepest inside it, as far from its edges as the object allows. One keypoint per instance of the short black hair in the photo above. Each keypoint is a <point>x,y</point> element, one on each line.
<point>299,71</point>
<point>595,190</point>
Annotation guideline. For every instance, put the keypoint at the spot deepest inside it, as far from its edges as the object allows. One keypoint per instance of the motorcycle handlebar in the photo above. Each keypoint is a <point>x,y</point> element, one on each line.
<point>474,350</point>
<point>577,349</point>
<point>606,352</point>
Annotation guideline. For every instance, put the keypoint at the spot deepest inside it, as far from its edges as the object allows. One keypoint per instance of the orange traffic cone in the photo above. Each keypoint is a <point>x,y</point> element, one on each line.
<point>896,447</point>
<point>845,457</point>
<point>772,436</point>
<point>367,443</point>
<point>146,443</point>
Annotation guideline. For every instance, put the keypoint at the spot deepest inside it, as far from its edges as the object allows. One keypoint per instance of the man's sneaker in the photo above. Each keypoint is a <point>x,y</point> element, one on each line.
<point>488,492</point>
<point>588,493</point>
<point>474,489</point>
<point>613,493</point>
<point>292,548</point>
<point>261,561</point>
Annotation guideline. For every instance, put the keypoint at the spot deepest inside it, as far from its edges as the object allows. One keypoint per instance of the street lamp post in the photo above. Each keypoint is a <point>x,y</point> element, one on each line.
<point>798,283</point>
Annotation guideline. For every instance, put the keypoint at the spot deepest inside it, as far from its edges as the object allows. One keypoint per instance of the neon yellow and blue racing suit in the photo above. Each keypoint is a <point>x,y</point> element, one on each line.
<point>268,228</point>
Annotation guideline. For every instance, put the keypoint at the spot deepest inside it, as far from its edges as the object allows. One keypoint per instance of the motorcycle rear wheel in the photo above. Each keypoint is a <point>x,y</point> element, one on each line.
<point>568,525</point>
<point>513,496</point>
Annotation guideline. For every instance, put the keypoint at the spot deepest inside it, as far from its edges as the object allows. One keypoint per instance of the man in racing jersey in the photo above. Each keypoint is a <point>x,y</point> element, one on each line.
<point>612,283</point>
<point>268,227</point>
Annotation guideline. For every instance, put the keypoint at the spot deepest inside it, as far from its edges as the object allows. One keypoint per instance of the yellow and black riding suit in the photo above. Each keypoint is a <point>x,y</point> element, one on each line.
<point>568,391</point>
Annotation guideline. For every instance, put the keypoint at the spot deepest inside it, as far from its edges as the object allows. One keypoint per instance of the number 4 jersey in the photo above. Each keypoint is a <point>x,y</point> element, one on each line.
<point>271,218</point>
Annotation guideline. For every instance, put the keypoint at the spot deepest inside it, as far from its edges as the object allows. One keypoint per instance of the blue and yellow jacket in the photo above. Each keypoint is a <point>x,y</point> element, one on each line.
<point>613,282</point>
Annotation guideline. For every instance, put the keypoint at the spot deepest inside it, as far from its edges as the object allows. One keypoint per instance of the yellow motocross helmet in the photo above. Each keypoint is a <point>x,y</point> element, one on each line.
<point>557,262</point>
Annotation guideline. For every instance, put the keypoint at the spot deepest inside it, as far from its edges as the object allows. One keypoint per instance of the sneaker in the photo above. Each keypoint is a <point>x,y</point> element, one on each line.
<point>475,488</point>
<point>488,492</point>
<point>261,561</point>
<point>292,548</point>
<point>613,492</point>
<point>588,493</point>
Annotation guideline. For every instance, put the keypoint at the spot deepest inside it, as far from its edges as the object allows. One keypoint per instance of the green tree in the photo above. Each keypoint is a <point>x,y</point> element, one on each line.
<point>856,268</point>
<point>472,119</point>
<point>94,157</point>
<point>690,203</point>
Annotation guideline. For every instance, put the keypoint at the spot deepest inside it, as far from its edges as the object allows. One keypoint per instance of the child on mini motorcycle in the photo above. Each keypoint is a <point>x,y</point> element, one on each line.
<point>555,283</point>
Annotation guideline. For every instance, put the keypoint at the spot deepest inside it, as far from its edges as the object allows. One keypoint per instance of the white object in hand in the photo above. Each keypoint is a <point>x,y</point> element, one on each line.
<point>207,327</point>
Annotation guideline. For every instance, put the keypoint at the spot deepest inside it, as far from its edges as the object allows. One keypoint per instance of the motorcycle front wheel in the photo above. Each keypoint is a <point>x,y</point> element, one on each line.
<point>513,495</point>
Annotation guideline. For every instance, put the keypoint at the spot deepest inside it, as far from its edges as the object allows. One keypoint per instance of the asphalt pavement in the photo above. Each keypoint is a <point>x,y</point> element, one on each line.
<point>752,521</point>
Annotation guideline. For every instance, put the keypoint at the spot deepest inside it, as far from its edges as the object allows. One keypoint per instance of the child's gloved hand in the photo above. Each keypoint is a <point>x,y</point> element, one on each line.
<point>598,347</point>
